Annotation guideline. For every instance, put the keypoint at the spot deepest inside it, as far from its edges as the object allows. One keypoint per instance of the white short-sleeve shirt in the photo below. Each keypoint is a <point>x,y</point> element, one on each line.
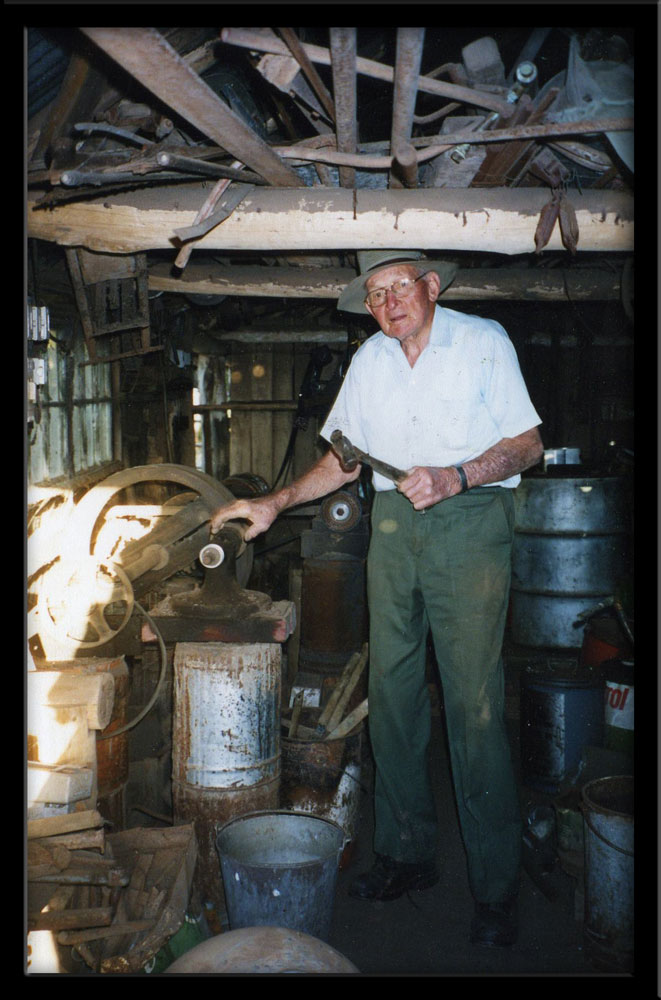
<point>464,393</point>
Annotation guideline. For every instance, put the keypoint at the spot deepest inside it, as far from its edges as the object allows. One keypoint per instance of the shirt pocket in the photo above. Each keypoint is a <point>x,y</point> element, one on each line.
<point>446,413</point>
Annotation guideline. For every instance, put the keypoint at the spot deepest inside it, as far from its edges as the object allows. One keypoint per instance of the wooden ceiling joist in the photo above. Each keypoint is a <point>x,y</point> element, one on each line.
<point>490,221</point>
<point>470,284</point>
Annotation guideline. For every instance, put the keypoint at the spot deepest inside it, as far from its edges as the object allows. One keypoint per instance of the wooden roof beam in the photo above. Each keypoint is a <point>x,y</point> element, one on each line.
<point>495,220</point>
<point>474,284</point>
<point>264,41</point>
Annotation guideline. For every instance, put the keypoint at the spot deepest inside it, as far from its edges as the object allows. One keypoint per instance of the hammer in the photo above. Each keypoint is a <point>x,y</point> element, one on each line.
<point>350,456</point>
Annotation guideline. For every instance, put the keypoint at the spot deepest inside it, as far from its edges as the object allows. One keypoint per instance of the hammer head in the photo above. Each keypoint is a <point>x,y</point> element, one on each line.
<point>344,450</point>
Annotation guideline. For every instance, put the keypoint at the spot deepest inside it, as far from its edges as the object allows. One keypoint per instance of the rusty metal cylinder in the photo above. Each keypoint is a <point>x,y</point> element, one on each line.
<point>571,550</point>
<point>226,741</point>
<point>323,777</point>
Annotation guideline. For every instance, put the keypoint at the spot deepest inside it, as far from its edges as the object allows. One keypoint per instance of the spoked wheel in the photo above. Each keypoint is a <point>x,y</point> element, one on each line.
<point>92,580</point>
<point>210,495</point>
<point>76,602</point>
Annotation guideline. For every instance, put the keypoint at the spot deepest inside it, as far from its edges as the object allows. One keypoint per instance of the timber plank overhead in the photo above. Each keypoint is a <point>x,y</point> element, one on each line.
<point>492,284</point>
<point>342,166</point>
<point>500,220</point>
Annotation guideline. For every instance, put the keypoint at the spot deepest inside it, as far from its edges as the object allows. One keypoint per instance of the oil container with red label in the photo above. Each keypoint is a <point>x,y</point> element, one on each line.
<point>619,705</point>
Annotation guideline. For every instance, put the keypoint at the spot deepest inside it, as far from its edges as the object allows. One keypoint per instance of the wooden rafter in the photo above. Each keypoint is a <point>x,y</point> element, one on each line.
<point>475,284</point>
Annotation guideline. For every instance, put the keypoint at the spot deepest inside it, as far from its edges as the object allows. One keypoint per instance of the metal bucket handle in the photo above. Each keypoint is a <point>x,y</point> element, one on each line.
<point>621,850</point>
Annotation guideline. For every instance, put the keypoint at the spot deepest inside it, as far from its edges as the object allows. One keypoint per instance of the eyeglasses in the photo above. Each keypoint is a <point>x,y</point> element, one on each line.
<point>400,289</point>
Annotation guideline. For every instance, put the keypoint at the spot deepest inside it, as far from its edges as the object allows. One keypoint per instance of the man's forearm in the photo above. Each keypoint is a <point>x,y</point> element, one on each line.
<point>324,477</point>
<point>426,485</point>
<point>507,458</point>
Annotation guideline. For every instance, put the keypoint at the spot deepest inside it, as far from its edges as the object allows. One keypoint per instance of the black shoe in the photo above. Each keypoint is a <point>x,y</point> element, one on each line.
<point>494,924</point>
<point>389,879</point>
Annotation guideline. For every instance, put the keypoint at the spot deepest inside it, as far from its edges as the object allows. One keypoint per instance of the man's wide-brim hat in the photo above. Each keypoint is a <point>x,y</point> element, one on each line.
<point>370,262</point>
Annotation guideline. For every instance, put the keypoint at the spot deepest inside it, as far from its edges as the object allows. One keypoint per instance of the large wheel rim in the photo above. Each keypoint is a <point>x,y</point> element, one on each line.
<point>212,492</point>
<point>83,521</point>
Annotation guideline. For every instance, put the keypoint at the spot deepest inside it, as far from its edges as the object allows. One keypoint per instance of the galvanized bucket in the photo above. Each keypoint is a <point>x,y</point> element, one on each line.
<point>280,870</point>
<point>607,808</point>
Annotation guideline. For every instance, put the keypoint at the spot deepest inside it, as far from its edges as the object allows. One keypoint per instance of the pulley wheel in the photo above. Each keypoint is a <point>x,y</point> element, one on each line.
<point>341,511</point>
<point>78,599</point>
<point>246,485</point>
<point>83,586</point>
<point>211,492</point>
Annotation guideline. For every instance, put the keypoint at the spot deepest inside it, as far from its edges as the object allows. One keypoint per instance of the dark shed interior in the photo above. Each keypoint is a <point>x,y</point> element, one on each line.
<point>196,200</point>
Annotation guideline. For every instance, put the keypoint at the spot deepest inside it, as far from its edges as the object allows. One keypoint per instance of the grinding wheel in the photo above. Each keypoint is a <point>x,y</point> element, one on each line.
<point>341,511</point>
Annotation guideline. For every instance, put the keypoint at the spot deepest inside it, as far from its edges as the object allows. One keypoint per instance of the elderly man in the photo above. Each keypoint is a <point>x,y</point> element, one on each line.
<point>439,394</point>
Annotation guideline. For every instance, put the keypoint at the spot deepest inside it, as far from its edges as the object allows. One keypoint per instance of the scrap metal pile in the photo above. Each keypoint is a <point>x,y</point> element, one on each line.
<point>287,113</point>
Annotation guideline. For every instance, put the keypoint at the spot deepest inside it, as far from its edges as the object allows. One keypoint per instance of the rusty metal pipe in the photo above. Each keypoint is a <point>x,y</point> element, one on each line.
<point>261,43</point>
<point>146,55</point>
<point>405,165</point>
<point>113,130</point>
<point>540,131</point>
<point>294,45</point>
<point>407,72</point>
<point>198,166</point>
<point>96,178</point>
<point>343,60</point>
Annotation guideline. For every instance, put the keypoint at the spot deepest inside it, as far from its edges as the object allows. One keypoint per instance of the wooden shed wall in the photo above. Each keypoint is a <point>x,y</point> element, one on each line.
<point>239,440</point>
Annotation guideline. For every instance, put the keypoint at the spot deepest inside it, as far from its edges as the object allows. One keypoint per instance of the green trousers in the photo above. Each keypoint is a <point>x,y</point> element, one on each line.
<point>446,569</point>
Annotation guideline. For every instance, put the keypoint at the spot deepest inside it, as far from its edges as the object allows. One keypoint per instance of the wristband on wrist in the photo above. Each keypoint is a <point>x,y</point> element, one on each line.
<point>462,476</point>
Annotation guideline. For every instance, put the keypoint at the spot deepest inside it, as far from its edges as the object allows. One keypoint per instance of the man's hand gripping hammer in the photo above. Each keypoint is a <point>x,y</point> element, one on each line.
<point>350,456</point>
